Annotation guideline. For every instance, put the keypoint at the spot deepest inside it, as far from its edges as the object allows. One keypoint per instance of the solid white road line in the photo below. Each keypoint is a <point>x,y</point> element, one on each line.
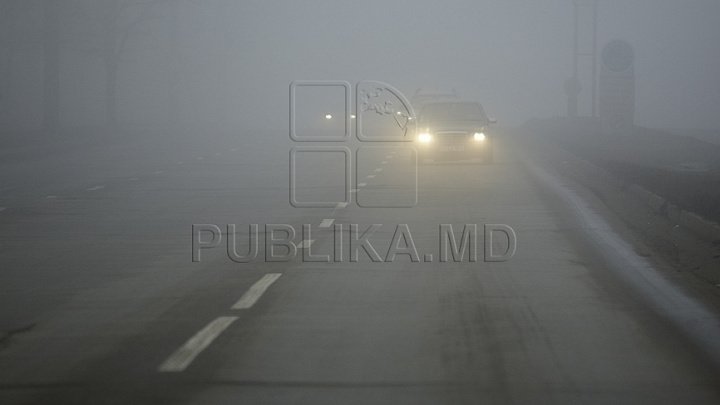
<point>95,188</point>
<point>182,358</point>
<point>326,223</point>
<point>341,205</point>
<point>256,291</point>
<point>362,184</point>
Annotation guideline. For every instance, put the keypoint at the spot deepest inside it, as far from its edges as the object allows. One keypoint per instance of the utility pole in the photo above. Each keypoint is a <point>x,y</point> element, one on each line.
<point>573,85</point>
<point>51,66</point>
<point>594,58</point>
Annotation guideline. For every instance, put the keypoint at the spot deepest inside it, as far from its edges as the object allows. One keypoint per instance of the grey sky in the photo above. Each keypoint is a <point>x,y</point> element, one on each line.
<point>513,56</point>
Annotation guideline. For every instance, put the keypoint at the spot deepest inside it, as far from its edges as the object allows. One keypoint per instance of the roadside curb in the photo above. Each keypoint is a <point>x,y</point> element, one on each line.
<point>605,184</point>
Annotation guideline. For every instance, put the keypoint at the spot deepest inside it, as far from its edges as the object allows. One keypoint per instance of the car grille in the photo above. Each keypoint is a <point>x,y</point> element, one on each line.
<point>452,137</point>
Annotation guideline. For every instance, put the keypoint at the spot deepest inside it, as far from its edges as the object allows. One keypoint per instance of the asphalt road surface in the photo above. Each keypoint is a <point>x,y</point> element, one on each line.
<point>100,301</point>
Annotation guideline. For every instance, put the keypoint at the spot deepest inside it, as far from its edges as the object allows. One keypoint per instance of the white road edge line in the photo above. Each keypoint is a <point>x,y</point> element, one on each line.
<point>185,355</point>
<point>325,223</point>
<point>256,291</point>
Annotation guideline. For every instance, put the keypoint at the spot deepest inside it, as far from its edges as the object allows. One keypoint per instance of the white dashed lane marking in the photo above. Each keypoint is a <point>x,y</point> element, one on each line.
<point>370,176</point>
<point>256,291</point>
<point>306,243</point>
<point>384,162</point>
<point>341,205</point>
<point>51,197</point>
<point>199,158</point>
<point>95,188</point>
<point>326,223</point>
<point>185,355</point>
<point>379,169</point>
<point>362,184</point>
<point>2,209</point>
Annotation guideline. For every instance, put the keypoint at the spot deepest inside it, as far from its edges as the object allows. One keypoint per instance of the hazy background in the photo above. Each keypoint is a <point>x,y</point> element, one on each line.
<point>229,63</point>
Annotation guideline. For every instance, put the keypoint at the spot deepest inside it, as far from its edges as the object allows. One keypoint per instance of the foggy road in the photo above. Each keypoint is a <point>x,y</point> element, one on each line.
<point>109,308</point>
<point>376,202</point>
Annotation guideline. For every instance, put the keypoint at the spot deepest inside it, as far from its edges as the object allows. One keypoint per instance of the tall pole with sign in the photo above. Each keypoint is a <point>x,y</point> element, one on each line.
<point>617,88</point>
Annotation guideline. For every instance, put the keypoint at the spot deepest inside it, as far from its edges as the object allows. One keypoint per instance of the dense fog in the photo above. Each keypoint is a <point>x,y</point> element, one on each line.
<point>360,202</point>
<point>229,63</point>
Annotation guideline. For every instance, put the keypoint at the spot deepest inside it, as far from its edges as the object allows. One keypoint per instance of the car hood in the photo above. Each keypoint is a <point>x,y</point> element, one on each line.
<point>451,126</point>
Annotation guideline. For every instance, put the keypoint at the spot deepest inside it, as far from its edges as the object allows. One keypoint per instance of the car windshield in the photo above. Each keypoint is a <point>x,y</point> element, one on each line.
<point>453,112</point>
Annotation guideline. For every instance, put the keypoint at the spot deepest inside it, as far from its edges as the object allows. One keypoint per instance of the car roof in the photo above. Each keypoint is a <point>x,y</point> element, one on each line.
<point>449,105</point>
<point>444,103</point>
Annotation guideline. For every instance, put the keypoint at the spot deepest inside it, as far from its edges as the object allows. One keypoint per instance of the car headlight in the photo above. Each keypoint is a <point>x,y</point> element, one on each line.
<point>424,137</point>
<point>479,136</point>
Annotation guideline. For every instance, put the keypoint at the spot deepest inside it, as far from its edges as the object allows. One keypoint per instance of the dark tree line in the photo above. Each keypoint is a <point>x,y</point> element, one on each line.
<point>107,27</point>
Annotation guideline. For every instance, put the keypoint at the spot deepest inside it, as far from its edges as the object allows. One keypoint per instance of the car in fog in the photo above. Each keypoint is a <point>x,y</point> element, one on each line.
<point>454,131</point>
<point>423,97</point>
